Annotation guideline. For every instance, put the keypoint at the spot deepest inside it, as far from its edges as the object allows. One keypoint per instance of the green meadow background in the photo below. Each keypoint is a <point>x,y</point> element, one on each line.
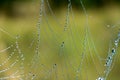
<point>58,61</point>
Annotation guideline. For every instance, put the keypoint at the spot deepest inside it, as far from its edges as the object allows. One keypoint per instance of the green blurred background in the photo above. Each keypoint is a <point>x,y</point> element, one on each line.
<point>8,6</point>
<point>20,17</point>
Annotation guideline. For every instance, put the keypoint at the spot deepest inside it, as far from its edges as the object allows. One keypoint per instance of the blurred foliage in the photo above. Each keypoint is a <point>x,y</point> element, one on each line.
<point>8,6</point>
<point>88,3</point>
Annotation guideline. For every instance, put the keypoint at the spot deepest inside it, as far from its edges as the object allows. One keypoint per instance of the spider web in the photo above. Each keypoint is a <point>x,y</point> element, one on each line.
<point>62,49</point>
